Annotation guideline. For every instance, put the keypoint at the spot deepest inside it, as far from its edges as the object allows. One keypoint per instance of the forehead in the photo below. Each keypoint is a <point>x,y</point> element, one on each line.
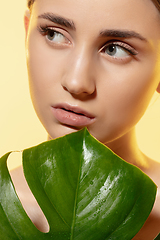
<point>98,14</point>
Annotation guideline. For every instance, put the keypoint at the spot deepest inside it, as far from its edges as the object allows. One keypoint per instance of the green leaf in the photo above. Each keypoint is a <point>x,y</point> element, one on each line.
<point>158,237</point>
<point>83,188</point>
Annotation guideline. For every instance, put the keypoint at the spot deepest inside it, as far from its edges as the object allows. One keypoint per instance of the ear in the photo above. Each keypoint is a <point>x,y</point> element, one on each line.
<point>26,20</point>
<point>158,88</point>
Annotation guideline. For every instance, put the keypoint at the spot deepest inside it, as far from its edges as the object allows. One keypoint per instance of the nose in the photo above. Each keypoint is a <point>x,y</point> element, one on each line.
<point>78,78</point>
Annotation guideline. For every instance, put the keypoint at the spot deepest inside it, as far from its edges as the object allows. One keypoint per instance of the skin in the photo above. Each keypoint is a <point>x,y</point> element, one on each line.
<point>75,68</point>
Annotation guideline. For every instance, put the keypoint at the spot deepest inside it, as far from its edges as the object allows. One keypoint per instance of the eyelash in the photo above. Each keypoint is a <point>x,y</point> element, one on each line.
<point>122,45</point>
<point>45,30</point>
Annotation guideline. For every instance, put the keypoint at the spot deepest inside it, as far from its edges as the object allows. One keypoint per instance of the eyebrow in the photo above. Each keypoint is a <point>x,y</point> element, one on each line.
<point>105,33</point>
<point>58,20</point>
<point>121,34</point>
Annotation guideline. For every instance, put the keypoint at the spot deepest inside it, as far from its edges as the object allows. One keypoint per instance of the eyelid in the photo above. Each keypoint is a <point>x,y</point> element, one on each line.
<point>121,44</point>
<point>44,30</point>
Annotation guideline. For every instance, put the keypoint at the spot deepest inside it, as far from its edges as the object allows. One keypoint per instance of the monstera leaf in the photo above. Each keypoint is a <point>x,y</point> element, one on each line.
<point>158,237</point>
<point>83,188</point>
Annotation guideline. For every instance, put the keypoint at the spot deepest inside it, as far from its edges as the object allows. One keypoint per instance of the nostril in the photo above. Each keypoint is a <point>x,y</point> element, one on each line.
<point>79,85</point>
<point>25,195</point>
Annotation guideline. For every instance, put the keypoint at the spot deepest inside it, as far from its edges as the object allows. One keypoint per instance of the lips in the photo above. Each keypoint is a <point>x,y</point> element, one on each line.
<point>72,115</point>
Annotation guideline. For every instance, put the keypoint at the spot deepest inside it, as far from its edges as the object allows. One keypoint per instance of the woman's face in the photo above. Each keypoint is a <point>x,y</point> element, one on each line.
<point>92,63</point>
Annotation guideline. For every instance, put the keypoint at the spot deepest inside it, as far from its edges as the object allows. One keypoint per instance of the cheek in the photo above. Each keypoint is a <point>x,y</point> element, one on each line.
<point>135,94</point>
<point>44,69</point>
<point>124,99</point>
<point>138,85</point>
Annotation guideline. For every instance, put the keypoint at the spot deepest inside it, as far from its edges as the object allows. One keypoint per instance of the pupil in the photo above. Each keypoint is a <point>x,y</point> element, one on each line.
<point>112,49</point>
<point>51,34</point>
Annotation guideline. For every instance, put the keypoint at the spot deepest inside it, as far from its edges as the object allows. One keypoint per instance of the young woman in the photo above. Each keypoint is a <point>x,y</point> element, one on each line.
<point>95,64</point>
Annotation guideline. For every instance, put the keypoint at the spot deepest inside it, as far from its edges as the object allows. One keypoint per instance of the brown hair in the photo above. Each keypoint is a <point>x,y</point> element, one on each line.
<point>30,3</point>
<point>156,3</point>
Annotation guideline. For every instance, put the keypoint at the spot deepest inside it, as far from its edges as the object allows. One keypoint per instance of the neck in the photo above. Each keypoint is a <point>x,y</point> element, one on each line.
<point>127,148</point>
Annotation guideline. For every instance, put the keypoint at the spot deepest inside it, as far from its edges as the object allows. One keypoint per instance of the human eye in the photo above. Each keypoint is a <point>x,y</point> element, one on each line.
<point>118,50</point>
<point>54,36</point>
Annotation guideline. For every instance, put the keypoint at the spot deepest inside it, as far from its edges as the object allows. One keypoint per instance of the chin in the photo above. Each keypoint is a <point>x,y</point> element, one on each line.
<point>61,131</point>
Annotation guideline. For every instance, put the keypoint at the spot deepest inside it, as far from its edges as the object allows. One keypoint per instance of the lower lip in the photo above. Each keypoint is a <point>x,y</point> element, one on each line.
<point>71,119</point>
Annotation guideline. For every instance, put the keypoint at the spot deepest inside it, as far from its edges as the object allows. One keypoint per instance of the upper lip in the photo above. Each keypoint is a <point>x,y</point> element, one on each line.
<point>74,109</point>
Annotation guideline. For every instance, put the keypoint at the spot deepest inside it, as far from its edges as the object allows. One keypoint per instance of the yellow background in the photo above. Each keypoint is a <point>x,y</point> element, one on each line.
<point>19,125</point>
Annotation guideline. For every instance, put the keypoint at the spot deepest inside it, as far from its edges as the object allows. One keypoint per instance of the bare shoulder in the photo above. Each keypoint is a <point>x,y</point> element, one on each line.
<point>28,200</point>
<point>151,227</point>
<point>153,172</point>
<point>148,232</point>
